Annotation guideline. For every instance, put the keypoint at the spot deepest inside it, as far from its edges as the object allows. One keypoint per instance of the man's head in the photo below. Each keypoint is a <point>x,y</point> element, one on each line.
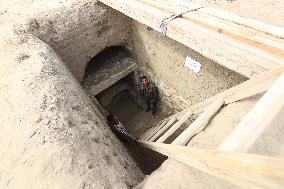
<point>145,81</point>
<point>111,118</point>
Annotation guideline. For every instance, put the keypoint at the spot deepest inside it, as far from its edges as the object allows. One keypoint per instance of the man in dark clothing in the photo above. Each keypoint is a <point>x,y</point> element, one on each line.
<point>149,93</point>
<point>119,129</point>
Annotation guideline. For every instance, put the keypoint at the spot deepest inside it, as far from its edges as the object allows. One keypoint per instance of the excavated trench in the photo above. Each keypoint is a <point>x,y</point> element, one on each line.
<point>111,80</point>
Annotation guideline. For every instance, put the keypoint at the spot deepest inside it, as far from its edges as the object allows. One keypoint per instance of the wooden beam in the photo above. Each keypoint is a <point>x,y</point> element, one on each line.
<point>199,124</point>
<point>253,86</point>
<point>175,126</point>
<point>231,53</point>
<point>238,49</point>
<point>240,32</point>
<point>250,23</point>
<point>147,15</point>
<point>157,134</point>
<point>257,120</point>
<point>177,116</point>
<point>245,170</point>
<point>157,128</point>
<point>147,132</point>
<point>249,88</point>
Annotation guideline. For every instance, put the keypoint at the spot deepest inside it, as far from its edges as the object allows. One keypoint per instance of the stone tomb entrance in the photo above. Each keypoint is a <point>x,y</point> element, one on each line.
<point>111,81</point>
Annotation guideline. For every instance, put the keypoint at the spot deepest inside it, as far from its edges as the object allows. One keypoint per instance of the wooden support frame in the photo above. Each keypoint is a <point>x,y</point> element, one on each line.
<point>251,87</point>
<point>148,132</point>
<point>245,170</point>
<point>254,86</point>
<point>243,33</point>
<point>199,124</point>
<point>156,129</point>
<point>238,49</point>
<point>172,120</point>
<point>257,120</point>
<point>257,25</point>
<point>175,126</point>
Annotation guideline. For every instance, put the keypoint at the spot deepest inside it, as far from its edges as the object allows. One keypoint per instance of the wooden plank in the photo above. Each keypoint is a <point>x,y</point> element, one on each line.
<point>249,88</point>
<point>177,115</point>
<point>146,133</point>
<point>175,126</point>
<point>240,32</point>
<point>157,134</point>
<point>256,85</point>
<point>147,15</point>
<point>199,124</point>
<point>233,54</point>
<point>164,6</point>
<point>272,47</point>
<point>257,120</point>
<point>245,170</point>
<point>254,24</point>
<point>260,26</point>
<point>152,133</point>
<point>151,128</point>
<point>248,59</point>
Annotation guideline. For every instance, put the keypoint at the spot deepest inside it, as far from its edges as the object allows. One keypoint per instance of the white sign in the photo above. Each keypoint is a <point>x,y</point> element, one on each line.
<point>193,65</point>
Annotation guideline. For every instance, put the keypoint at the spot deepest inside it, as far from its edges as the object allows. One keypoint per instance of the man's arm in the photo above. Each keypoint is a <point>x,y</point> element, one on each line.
<point>124,132</point>
<point>155,92</point>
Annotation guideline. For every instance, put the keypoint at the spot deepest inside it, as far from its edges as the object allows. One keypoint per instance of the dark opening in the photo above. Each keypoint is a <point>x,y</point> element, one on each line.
<point>122,99</point>
<point>108,56</point>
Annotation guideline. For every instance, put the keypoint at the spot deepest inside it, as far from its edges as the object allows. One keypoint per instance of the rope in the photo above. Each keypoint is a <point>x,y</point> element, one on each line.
<point>166,20</point>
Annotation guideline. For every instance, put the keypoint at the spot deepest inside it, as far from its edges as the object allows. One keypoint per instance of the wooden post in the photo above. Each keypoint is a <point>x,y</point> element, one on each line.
<point>199,124</point>
<point>257,120</point>
<point>149,131</point>
<point>175,127</point>
<point>146,133</point>
<point>245,170</point>
<point>156,129</point>
<point>163,129</point>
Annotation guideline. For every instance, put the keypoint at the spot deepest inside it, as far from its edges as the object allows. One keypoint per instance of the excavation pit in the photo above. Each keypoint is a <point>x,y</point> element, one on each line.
<point>60,137</point>
<point>111,72</point>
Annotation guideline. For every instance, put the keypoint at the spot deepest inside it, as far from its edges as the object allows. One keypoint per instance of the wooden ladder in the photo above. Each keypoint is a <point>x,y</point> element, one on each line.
<point>238,167</point>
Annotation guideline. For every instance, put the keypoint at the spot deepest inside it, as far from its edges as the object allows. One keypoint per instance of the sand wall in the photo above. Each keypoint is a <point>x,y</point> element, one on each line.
<point>78,31</point>
<point>51,134</point>
<point>163,60</point>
